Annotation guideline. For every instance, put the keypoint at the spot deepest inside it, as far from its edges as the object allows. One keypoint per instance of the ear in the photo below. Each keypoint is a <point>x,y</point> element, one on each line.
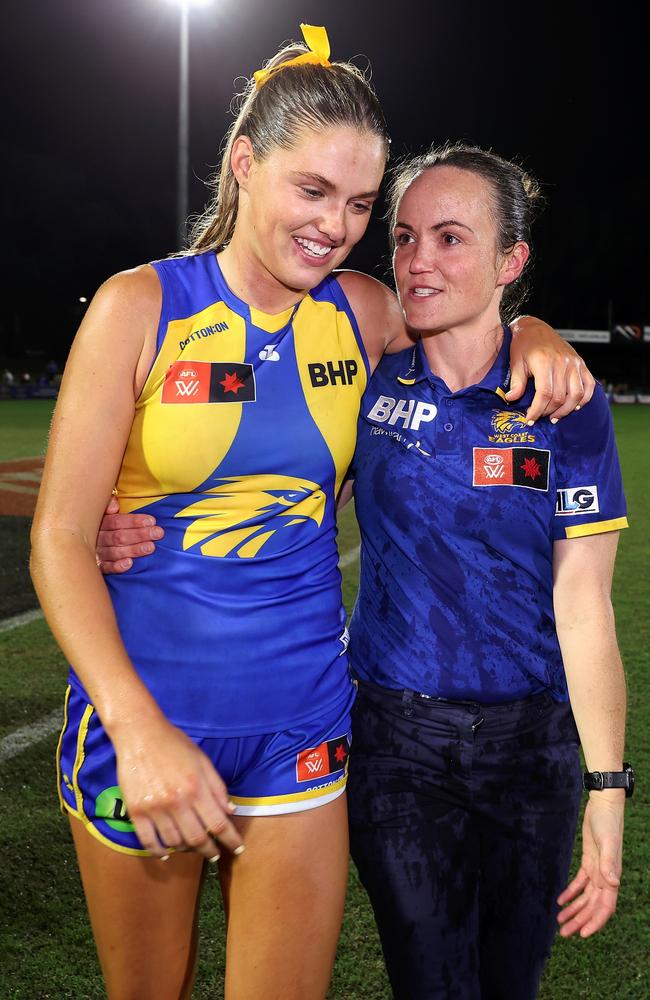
<point>513,263</point>
<point>241,159</point>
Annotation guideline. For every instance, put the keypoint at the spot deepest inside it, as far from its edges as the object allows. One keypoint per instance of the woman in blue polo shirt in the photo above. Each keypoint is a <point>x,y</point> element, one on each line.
<point>483,617</point>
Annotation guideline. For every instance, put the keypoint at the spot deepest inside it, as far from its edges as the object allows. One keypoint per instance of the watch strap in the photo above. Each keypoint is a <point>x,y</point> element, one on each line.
<point>598,781</point>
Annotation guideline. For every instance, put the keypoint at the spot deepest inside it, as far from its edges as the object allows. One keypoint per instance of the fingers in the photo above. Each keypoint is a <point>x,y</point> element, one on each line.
<point>146,833</point>
<point>518,381</point>
<point>113,506</point>
<point>113,551</point>
<point>574,888</point>
<point>181,828</point>
<point>120,566</point>
<point>118,547</point>
<point>588,382</point>
<point>589,913</point>
<point>562,385</point>
<point>216,810</point>
<point>551,390</point>
<point>182,804</point>
<point>590,905</point>
<point>567,377</point>
<point>125,529</point>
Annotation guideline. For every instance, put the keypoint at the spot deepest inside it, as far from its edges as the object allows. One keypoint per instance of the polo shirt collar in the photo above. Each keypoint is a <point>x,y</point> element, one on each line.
<point>497,380</point>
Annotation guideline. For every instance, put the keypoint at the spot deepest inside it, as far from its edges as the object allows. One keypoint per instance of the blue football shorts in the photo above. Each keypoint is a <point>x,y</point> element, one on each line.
<point>265,775</point>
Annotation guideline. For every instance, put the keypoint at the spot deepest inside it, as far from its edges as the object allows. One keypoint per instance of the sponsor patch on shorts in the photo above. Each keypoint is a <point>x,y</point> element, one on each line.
<point>527,467</point>
<point>577,500</point>
<point>318,762</point>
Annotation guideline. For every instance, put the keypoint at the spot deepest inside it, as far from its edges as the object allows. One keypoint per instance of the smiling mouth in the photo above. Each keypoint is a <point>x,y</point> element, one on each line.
<point>424,293</point>
<point>318,251</point>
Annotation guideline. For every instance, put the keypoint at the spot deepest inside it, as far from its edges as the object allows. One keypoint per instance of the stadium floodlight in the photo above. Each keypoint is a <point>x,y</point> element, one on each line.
<point>184,113</point>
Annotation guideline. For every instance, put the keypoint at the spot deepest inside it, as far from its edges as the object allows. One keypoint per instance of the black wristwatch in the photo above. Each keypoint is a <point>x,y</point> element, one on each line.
<point>597,781</point>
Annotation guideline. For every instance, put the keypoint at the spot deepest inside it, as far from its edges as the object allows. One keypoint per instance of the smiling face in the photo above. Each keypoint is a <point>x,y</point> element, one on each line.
<point>303,209</point>
<point>448,271</point>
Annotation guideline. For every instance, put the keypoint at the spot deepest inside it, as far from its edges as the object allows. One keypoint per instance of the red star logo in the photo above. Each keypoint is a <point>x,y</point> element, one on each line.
<point>531,468</point>
<point>231,383</point>
<point>340,753</point>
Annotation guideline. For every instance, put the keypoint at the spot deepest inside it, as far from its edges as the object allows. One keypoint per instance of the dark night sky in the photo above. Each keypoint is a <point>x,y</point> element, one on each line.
<point>91,114</point>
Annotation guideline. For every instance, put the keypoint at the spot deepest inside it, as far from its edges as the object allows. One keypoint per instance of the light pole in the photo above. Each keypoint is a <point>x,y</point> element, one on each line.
<point>183,169</point>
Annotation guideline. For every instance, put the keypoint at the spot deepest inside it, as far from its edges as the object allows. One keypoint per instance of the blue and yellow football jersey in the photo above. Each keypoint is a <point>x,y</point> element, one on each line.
<point>241,438</point>
<point>459,504</point>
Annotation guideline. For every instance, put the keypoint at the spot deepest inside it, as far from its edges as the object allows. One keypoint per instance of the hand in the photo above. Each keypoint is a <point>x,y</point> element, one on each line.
<point>123,538</point>
<point>562,381</point>
<point>593,893</point>
<point>173,795</point>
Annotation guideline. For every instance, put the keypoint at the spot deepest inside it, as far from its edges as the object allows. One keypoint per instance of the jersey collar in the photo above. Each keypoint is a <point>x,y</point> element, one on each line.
<point>497,380</point>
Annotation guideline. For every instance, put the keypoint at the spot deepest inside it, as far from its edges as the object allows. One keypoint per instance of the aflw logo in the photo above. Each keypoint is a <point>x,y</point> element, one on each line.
<point>494,467</point>
<point>315,765</point>
<point>184,387</point>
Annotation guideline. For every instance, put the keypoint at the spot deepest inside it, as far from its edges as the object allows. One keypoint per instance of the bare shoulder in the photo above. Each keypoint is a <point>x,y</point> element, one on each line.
<point>376,309</point>
<point>137,290</point>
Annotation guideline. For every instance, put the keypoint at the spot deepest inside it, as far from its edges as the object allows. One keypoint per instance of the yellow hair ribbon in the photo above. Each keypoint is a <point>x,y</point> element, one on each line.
<point>319,54</point>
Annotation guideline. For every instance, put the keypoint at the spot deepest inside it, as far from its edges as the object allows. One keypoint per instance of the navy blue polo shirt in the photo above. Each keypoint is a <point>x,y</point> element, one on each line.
<point>459,503</point>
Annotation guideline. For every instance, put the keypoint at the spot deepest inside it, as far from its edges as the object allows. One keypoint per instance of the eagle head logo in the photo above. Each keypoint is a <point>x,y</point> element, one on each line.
<point>239,514</point>
<point>508,421</point>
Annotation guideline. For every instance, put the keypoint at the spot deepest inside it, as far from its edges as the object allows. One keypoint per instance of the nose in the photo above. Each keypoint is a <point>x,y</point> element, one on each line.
<point>332,223</point>
<point>422,260</point>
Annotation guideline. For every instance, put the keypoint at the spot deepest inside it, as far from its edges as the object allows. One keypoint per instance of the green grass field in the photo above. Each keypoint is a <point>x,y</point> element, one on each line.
<point>45,943</point>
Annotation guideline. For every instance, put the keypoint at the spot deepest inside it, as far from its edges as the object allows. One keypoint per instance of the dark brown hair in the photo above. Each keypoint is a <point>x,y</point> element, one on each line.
<point>516,198</point>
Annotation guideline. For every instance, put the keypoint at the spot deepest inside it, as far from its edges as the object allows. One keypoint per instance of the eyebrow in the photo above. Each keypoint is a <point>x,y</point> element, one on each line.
<point>438,225</point>
<point>323,181</point>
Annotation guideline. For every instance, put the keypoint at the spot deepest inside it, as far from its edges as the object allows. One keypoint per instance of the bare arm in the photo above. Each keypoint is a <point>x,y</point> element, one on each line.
<point>583,569</point>
<point>171,791</point>
<point>345,495</point>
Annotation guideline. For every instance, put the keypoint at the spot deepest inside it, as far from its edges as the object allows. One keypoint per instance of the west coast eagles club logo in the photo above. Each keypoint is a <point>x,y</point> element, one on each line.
<point>510,428</point>
<point>238,515</point>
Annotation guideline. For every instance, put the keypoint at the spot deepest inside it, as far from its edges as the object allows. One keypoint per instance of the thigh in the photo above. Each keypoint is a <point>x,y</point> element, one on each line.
<point>413,844</point>
<point>284,897</point>
<point>527,833</point>
<point>143,915</point>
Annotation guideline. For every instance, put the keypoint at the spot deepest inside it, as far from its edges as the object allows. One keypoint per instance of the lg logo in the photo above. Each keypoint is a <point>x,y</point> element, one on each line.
<point>577,500</point>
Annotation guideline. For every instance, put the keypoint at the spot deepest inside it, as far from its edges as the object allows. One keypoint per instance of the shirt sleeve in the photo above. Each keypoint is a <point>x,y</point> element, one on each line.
<point>590,497</point>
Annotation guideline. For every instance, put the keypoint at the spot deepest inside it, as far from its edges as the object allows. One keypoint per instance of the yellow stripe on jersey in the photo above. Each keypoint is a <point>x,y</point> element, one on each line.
<point>596,527</point>
<point>271,323</point>
<point>158,460</point>
<point>335,414</point>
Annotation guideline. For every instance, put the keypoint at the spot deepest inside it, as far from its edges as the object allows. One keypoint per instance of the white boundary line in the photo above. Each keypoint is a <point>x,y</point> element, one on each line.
<point>24,619</point>
<point>25,737</point>
<point>349,557</point>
